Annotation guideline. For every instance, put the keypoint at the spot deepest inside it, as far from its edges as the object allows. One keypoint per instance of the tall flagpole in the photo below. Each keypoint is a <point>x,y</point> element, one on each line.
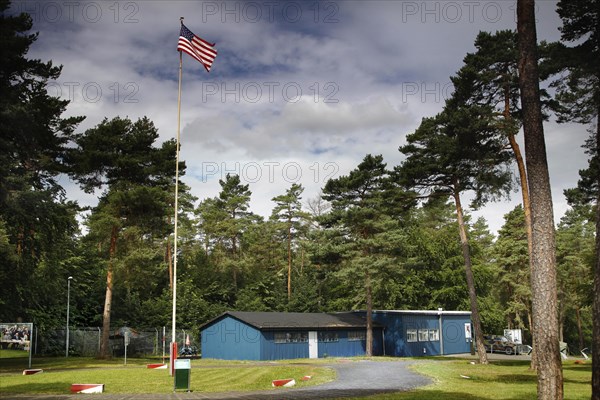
<point>173,334</point>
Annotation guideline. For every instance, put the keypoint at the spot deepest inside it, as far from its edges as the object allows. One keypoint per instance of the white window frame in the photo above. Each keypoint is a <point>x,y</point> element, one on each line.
<point>423,335</point>
<point>434,335</point>
<point>355,336</point>
<point>328,337</point>
<point>290,337</point>
<point>280,337</point>
<point>411,335</point>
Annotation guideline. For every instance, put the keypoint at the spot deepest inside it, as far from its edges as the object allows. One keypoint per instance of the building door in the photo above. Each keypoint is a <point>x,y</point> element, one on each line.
<point>313,345</point>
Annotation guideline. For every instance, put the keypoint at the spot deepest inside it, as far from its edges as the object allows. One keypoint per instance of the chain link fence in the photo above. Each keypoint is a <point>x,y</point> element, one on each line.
<point>86,341</point>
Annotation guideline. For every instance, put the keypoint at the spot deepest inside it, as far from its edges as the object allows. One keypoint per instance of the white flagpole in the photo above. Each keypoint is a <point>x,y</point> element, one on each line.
<point>173,334</point>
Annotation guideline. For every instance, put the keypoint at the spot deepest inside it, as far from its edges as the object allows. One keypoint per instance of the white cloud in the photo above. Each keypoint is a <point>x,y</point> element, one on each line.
<point>386,64</point>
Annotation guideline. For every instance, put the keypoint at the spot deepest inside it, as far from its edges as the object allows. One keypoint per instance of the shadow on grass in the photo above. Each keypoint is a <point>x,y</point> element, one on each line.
<point>32,387</point>
<point>520,379</point>
<point>362,394</point>
<point>427,395</point>
<point>513,378</point>
<point>578,367</point>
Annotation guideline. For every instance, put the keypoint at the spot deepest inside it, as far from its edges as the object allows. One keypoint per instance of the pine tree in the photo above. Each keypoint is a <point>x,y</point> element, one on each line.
<point>288,211</point>
<point>452,153</point>
<point>543,258</point>
<point>363,206</point>
<point>119,156</point>
<point>579,96</point>
<point>37,221</point>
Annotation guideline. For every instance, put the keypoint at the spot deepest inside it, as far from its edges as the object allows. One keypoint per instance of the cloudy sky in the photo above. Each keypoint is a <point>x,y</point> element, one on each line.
<point>300,91</point>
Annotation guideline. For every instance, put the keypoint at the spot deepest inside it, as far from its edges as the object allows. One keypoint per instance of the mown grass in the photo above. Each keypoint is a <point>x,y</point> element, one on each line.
<point>206,376</point>
<point>453,378</point>
<point>10,353</point>
<point>500,380</point>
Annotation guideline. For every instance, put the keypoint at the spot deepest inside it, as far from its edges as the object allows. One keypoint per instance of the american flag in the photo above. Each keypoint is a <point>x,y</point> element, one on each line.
<point>196,47</point>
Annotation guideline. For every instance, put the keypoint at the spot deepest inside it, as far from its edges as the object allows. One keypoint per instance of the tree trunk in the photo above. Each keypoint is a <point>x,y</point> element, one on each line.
<point>464,243</point>
<point>561,325</point>
<point>105,351</point>
<point>234,266</point>
<point>514,145</point>
<point>369,341</point>
<point>579,330</point>
<point>520,166</point>
<point>530,325</point>
<point>596,296</point>
<point>543,259</point>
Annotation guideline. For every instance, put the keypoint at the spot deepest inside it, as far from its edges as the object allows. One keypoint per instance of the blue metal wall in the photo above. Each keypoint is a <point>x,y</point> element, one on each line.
<point>230,339</point>
<point>396,325</point>
<point>454,334</point>
<point>340,348</point>
<point>281,351</point>
<point>349,348</point>
<point>395,334</point>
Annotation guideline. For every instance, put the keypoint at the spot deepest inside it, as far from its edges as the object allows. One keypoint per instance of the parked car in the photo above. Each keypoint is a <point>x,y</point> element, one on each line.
<point>188,352</point>
<point>500,344</point>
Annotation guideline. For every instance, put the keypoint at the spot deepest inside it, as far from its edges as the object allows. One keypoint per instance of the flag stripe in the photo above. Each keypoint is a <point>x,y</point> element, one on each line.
<point>201,50</point>
<point>201,57</point>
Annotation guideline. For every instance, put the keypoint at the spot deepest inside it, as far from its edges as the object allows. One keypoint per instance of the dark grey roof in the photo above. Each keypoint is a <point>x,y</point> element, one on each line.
<point>292,320</point>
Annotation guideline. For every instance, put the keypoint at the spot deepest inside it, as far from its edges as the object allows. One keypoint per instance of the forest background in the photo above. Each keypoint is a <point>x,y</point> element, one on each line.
<point>371,228</point>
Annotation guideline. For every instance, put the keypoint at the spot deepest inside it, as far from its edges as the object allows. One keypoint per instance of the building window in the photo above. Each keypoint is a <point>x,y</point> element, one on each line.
<point>423,335</point>
<point>328,337</point>
<point>434,335</point>
<point>291,337</point>
<point>411,335</point>
<point>357,335</point>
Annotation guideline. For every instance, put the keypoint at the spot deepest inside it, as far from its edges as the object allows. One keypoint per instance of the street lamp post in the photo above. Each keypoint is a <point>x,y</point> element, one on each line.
<point>68,305</point>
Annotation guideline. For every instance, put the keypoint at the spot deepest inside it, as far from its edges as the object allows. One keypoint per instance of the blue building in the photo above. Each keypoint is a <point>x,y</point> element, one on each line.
<point>411,333</point>
<point>276,336</point>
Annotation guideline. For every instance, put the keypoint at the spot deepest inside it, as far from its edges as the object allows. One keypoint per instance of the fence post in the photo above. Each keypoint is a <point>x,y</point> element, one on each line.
<point>155,350</point>
<point>99,340</point>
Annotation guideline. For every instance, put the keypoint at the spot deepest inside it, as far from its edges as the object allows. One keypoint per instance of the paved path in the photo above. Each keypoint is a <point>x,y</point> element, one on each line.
<point>354,379</point>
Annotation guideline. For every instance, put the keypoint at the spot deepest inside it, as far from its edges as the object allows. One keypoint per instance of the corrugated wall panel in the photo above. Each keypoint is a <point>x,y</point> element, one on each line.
<point>454,334</point>
<point>349,348</point>
<point>397,325</point>
<point>281,351</point>
<point>230,339</point>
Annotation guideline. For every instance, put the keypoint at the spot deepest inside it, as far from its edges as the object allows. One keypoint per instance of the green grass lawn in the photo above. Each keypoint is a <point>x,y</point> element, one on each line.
<point>453,378</point>
<point>500,380</point>
<point>10,353</point>
<point>206,375</point>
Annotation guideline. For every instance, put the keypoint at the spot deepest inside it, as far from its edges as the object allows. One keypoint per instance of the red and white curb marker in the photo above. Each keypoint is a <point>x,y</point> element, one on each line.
<point>157,366</point>
<point>283,382</point>
<point>32,371</point>
<point>306,378</point>
<point>87,388</point>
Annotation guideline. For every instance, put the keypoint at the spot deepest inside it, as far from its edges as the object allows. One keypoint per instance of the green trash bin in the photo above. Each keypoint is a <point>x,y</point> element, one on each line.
<point>182,374</point>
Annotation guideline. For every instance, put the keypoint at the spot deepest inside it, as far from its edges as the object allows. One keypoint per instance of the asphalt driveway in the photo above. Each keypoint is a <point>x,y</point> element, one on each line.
<point>354,379</point>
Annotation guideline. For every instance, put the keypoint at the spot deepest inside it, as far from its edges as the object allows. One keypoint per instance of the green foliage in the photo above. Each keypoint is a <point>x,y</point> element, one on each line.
<point>578,85</point>
<point>455,152</point>
<point>37,223</point>
<point>366,231</point>
<point>512,260</point>
<point>575,239</point>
